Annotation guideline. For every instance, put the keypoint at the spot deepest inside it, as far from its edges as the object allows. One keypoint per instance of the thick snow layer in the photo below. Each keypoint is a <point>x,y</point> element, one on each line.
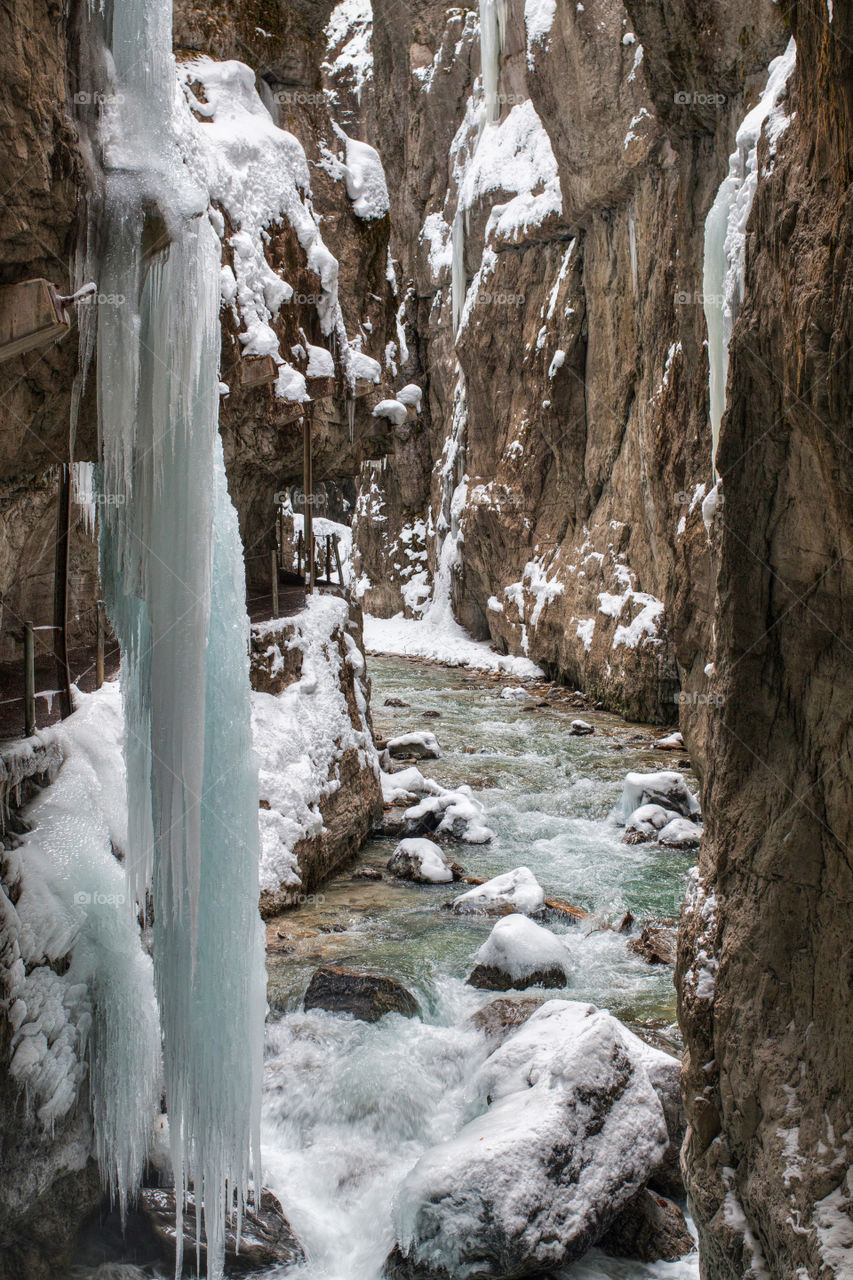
<point>301,734</point>
<point>365,367</point>
<point>649,819</point>
<point>259,175</point>
<point>393,410</point>
<point>513,156</point>
<point>412,395</point>
<point>453,813</point>
<point>516,890</point>
<point>519,947</point>
<point>513,693</point>
<point>420,859</point>
<point>365,178</point>
<point>321,363</point>
<point>98,1018</point>
<point>667,789</point>
<point>442,641</point>
<point>570,1127</point>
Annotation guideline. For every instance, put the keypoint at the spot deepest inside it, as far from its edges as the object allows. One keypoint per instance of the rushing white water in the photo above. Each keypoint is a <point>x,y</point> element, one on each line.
<point>349,1108</point>
<point>725,233</point>
<point>173,581</point>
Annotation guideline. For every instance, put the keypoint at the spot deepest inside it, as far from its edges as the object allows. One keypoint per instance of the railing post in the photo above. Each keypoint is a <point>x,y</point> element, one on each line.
<point>29,680</point>
<point>299,554</point>
<point>329,558</point>
<point>274,564</point>
<point>338,559</point>
<point>60,590</point>
<point>308,500</point>
<point>99,653</point>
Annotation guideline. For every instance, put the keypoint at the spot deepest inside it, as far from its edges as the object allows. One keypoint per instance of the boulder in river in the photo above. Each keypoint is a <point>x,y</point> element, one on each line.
<point>656,943</point>
<point>519,953</point>
<point>266,1239</point>
<point>572,1129</point>
<point>664,788</point>
<point>649,1229</point>
<point>422,745</point>
<point>580,729</point>
<point>367,996</point>
<point>680,833</point>
<point>421,860</point>
<point>516,890</point>
<point>395,702</point>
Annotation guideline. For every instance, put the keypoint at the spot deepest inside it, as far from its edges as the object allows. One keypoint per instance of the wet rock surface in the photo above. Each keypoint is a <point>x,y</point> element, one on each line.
<point>651,1229</point>
<point>367,996</point>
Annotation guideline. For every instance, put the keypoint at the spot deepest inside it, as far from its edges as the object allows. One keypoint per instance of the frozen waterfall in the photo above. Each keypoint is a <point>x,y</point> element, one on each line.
<point>725,233</point>
<point>173,580</point>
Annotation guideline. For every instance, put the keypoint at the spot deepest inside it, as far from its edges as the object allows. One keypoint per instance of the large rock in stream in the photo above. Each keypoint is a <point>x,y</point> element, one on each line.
<point>572,1129</point>
<point>367,996</point>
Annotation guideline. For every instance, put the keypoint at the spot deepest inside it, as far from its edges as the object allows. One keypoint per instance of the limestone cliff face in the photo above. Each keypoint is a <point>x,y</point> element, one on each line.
<point>769,1089</point>
<point>578,367</point>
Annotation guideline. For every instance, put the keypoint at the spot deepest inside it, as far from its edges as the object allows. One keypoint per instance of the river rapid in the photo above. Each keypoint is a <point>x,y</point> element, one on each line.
<point>349,1107</point>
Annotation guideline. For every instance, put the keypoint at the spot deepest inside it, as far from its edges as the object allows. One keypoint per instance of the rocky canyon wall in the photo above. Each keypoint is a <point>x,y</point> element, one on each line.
<point>577,366</point>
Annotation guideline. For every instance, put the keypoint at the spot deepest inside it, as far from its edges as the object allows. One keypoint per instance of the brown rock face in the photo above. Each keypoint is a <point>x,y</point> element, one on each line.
<point>650,1229</point>
<point>578,380</point>
<point>765,963</point>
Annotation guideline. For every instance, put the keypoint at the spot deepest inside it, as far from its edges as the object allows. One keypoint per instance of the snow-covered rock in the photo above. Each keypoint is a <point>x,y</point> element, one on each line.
<point>421,860</point>
<point>571,1129</point>
<point>421,745</point>
<point>519,953</point>
<point>513,693</point>
<point>516,890</point>
<point>439,809</point>
<point>580,729</point>
<point>672,742</point>
<point>667,789</point>
<point>680,833</point>
<point>645,823</point>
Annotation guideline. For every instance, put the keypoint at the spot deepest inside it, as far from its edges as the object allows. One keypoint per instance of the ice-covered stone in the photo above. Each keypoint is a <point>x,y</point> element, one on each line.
<point>665,788</point>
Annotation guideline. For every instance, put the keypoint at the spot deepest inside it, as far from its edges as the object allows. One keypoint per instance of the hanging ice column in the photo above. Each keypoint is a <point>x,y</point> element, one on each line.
<point>725,234</point>
<point>492,29</point>
<point>173,580</point>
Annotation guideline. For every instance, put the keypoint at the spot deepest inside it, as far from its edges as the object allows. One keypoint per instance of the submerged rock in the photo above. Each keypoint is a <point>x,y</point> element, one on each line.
<point>650,1229</point>
<point>656,944</point>
<point>367,996</point>
<point>573,1129</point>
<point>266,1239</point>
<point>519,953</point>
<point>422,861</point>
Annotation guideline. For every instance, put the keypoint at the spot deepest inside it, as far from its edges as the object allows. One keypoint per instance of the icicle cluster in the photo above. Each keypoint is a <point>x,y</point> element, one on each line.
<point>173,581</point>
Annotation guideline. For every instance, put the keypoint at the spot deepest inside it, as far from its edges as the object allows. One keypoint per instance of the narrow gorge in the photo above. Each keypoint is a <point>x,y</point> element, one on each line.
<point>425,632</point>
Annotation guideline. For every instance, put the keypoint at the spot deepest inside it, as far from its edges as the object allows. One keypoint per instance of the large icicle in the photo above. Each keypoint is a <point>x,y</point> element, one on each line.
<point>173,581</point>
<point>492,28</point>
<point>725,234</point>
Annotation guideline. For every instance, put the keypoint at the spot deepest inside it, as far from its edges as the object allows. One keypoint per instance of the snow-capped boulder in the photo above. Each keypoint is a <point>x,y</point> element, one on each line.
<point>680,834</point>
<point>645,823</point>
<point>393,410</point>
<point>420,860</point>
<point>516,890</point>
<point>421,745</point>
<point>571,1129</point>
<point>438,810</point>
<point>672,742</point>
<point>514,693</point>
<point>580,729</point>
<point>519,953</point>
<point>665,788</point>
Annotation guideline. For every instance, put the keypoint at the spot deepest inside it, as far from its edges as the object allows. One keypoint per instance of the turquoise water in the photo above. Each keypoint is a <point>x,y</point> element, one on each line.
<point>350,1107</point>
